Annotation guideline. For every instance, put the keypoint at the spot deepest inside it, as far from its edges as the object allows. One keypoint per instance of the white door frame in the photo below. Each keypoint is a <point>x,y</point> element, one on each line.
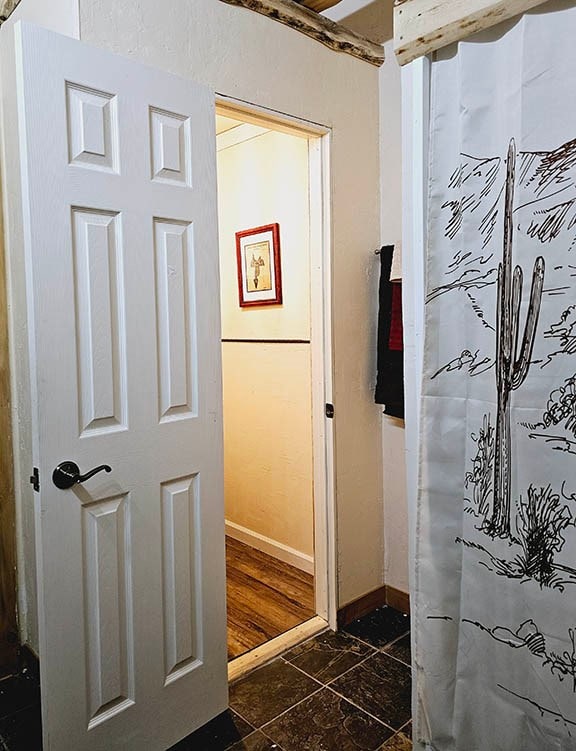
<point>319,140</point>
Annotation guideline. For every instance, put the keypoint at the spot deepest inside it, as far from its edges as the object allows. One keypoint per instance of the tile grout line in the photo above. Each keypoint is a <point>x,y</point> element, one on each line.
<point>363,711</point>
<point>405,725</point>
<point>365,659</point>
<point>392,643</point>
<point>362,641</point>
<point>327,683</point>
<point>268,737</point>
<point>341,696</point>
<point>385,645</point>
<point>307,641</point>
<point>241,716</point>
<point>293,706</point>
<point>362,661</point>
<point>397,659</point>
<point>357,705</point>
<point>395,641</point>
<point>278,746</point>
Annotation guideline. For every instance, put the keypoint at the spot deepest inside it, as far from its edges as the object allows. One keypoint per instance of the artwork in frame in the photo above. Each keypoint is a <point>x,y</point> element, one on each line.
<point>259,271</point>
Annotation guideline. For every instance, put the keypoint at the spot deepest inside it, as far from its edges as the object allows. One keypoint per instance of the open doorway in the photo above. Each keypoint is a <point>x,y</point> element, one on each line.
<point>273,354</point>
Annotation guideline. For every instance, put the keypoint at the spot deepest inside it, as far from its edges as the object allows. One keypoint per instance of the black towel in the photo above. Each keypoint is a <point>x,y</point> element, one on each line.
<point>390,380</point>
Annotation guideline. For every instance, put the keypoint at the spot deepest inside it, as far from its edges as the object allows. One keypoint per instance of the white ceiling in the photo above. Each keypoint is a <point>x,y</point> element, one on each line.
<point>225,123</point>
<point>345,8</point>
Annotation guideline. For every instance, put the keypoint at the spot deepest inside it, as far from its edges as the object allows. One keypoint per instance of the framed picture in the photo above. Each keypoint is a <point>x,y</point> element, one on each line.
<point>259,272</point>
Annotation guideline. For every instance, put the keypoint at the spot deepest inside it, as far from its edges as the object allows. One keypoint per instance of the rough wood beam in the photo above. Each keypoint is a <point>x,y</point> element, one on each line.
<point>7,7</point>
<point>423,26</point>
<point>317,27</point>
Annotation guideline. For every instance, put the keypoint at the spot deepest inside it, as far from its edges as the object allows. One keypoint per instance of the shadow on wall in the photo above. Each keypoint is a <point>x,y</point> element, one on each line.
<point>375,21</point>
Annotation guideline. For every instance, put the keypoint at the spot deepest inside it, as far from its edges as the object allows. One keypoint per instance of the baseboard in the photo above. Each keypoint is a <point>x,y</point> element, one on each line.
<point>28,661</point>
<point>362,606</point>
<point>398,599</point>
<point>385,595</point>
<point>272,547</point>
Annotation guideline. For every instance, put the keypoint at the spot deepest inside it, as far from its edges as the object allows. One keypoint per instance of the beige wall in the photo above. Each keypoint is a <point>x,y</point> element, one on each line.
<point>268,442</point>
<point>267,387</point>
<point>245,55</point>
<point>374,19</point>
<point>393,433</point>
<point>262,181</point>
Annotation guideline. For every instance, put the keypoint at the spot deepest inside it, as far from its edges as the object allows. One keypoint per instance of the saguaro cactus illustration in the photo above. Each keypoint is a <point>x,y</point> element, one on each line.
<point>511,366</point>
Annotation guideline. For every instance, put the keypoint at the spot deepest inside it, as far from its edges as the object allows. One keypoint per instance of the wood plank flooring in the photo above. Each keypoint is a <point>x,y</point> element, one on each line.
<point>266,597</point>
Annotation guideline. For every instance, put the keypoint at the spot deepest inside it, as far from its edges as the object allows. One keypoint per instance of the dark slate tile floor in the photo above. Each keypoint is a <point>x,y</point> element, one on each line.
<point>20,722</point>
<point>380,627</point>
<point>336,692</point>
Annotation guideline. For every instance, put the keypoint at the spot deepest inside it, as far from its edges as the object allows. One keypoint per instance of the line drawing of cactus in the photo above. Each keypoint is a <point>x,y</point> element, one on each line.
<point>511,365</point>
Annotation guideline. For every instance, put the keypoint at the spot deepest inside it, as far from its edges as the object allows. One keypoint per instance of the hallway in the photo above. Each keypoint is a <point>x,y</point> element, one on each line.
<point>265,597</point>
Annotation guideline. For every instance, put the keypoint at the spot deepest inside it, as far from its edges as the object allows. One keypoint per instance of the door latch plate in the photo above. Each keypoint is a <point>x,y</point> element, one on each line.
<point>35,480</point>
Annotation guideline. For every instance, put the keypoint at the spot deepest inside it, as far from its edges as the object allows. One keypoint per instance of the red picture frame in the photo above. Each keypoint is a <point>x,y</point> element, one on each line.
<point>259,266</point>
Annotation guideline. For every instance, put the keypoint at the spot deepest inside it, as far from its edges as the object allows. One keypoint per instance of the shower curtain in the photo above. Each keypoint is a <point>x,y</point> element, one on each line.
<point>494,603</point>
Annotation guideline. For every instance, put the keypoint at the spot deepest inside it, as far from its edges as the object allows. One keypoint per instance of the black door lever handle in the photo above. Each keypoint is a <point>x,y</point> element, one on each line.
<point>68,474</point>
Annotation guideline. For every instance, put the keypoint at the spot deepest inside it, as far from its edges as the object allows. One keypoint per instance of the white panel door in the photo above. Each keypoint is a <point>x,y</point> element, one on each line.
<point>119,192</point>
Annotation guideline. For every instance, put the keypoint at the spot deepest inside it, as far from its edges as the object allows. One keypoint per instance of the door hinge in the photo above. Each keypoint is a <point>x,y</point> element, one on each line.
<point>35,480</point>
<point>330,411</point>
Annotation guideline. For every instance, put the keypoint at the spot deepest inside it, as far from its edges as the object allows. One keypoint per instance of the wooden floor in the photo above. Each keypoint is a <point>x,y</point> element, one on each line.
<point>266,597</point>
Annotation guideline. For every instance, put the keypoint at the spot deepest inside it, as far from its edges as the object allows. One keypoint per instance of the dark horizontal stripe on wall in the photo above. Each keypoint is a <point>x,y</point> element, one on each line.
<point>266,341</point>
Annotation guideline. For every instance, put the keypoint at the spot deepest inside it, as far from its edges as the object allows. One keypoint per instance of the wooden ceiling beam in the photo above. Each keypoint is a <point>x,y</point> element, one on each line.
<point>7,7</point>
<point>423,26</point>
<point>318,27</point>
<point>319,5</point>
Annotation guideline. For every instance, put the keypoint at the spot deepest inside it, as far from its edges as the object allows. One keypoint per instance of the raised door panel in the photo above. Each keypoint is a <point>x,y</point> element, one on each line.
<point>181,579</point>
<point>108,607</point>
<point>100,321</point>
<point>176,319</point>
<point>92,119</point>
<point>170,148</point>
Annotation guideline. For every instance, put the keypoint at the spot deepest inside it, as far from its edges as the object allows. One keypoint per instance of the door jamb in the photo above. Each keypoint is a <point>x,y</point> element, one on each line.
<point>319,140</point>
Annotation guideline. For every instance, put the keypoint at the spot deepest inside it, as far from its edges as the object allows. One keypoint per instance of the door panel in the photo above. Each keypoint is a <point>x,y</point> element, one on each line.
<point>118,164</point>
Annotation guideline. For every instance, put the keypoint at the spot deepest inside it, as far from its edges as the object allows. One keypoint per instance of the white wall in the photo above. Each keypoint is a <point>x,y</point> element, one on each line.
<point>267,386</point>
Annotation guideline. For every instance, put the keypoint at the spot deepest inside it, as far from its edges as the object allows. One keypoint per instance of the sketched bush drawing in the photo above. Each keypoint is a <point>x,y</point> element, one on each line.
<point>561,406</point>
<point>481,477</point>
<point>541,520</point>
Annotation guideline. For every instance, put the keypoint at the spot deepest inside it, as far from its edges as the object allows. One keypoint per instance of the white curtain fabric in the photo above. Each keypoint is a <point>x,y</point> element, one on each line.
<point>494,602</point>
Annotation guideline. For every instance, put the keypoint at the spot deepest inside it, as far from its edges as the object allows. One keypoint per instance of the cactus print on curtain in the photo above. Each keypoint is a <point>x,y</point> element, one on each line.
<point>494,602</point>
